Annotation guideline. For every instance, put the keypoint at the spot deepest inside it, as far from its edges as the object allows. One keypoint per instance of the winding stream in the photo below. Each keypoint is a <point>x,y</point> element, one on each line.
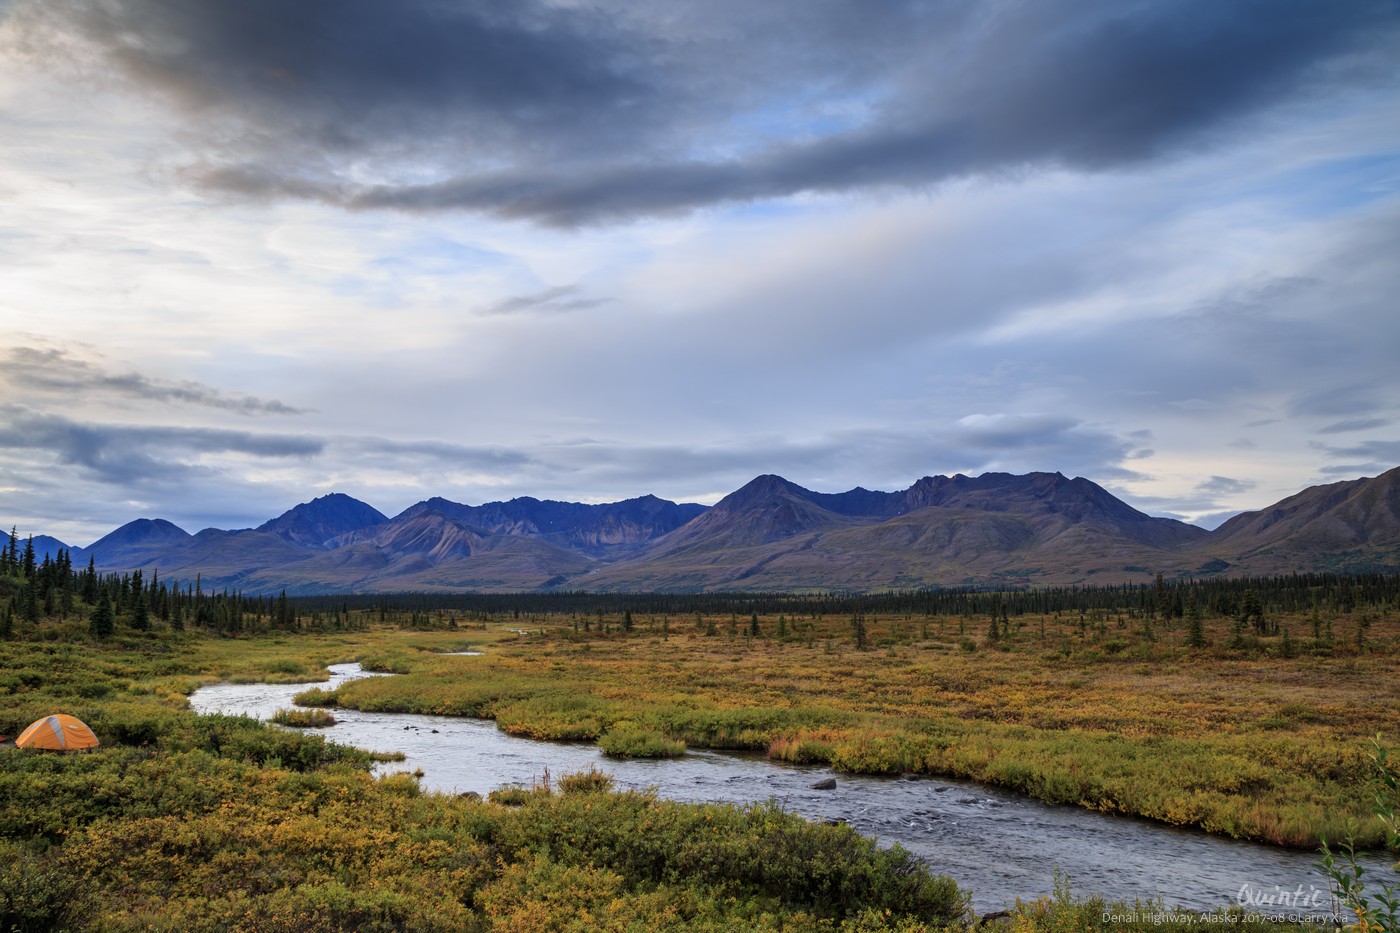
<point>999,845</point>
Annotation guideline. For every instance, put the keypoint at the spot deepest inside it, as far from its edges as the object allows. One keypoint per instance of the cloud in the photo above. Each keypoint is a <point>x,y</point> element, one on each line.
<point>1354,424</point>
<point>1008,442</point>
<point>30,369</point>
<point>1225,486</point>
<point>1385,453</point>
<point>459,455</point>
<point>1340,400</point>
<point>551,300</point>
<point>566,114</point>
<point>135,455</point>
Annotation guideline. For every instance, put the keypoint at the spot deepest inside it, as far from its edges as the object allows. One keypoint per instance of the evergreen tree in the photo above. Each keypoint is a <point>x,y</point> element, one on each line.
<point>29,602</point>
<point>27,566</point>
<point>101,622</point>
<point>859,630</point>
<point>140,616</point>
<point>1159,588</point>
<point>89,584</point>
<point>1237,634</point>
<point>137,593</point>
<point>9,557</point>
<point>753,625</point>
<point>1252,611</point>
<point>1195,623</point>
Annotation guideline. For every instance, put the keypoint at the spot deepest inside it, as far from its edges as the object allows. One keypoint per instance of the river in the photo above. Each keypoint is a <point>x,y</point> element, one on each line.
<point>998,845</point>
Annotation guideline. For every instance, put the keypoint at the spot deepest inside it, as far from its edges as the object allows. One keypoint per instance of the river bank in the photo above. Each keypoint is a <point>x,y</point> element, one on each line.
<point>1000,846</point>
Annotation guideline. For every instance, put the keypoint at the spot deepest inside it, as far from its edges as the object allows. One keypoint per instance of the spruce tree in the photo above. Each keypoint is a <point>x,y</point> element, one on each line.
<point>1195,623</point>
<point>29,603</point>
<point>141,616</point>
<point>89,585</point>
<point>101,622</point>
<point>1252,611</point>
<point>9,555</point>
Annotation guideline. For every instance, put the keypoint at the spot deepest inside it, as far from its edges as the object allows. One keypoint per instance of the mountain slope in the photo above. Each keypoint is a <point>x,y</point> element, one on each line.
<point>996,529</point>
<point>315,523</point>
<point>1352,525</point>
<point>773,534</point>
<point>137,544</point>
<point>46,546</point>
<point>595,529</point>
<point>428,551</point>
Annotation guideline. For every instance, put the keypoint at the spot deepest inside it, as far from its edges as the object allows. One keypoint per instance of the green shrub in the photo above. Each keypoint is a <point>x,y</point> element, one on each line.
<point>629,740</point>
<point>512,795</point>
<point>591,781</point>
<point>303,718</point>
<point>35,893</point>
<point>316,697</point>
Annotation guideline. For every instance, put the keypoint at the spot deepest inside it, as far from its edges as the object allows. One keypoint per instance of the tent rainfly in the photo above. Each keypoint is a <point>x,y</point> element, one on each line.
<point>59,732</point>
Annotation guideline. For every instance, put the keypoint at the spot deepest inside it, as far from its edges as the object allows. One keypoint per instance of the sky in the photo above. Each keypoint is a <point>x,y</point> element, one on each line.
<point>255,252</point>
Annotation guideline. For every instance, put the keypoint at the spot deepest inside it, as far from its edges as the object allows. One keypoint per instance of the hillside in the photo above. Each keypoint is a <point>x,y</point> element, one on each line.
<point>1348,526</point>
<point>996,529</point>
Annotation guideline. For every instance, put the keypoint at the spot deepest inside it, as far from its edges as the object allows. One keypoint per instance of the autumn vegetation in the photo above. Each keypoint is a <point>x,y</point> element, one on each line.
<point>1254,725</point>
<point>1257,733</point>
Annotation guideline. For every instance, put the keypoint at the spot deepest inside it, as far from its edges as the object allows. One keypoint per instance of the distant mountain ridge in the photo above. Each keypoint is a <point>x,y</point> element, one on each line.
<point>318,522</point>
<point>770,534</point>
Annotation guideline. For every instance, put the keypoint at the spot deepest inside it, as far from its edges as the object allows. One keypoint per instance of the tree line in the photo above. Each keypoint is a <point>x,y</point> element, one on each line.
<point>33,589</point>
<point>1163,599</point>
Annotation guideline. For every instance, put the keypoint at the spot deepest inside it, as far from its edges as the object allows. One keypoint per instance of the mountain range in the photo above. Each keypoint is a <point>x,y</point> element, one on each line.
<point>769,535</point>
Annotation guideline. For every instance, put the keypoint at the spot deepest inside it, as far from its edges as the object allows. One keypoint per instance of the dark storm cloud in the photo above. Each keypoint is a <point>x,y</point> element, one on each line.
<point>131,454</point>
<point>573,115</point>
<point>29,369</point>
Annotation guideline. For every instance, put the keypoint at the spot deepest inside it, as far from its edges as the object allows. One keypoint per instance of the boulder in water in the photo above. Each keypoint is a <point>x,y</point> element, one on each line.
<point>828,784</point>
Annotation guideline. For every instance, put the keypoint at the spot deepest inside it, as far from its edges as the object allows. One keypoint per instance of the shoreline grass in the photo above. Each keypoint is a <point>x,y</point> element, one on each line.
<point>303,718</point>
<point>1244,742</point>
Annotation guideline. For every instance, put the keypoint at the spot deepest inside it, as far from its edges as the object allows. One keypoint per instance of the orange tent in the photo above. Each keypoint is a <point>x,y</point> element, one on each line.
<point>59,732</point>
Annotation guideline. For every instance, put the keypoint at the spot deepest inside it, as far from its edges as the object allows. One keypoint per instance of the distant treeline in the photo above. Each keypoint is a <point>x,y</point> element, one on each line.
<point>1292,593</point>
<point>32,590</point>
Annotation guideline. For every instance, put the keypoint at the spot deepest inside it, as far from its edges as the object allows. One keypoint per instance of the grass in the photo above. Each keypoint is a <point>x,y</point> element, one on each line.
<point>1241,742</point>
<point>212,823</point>
<point>303,718</point>
<point>629,740</point>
